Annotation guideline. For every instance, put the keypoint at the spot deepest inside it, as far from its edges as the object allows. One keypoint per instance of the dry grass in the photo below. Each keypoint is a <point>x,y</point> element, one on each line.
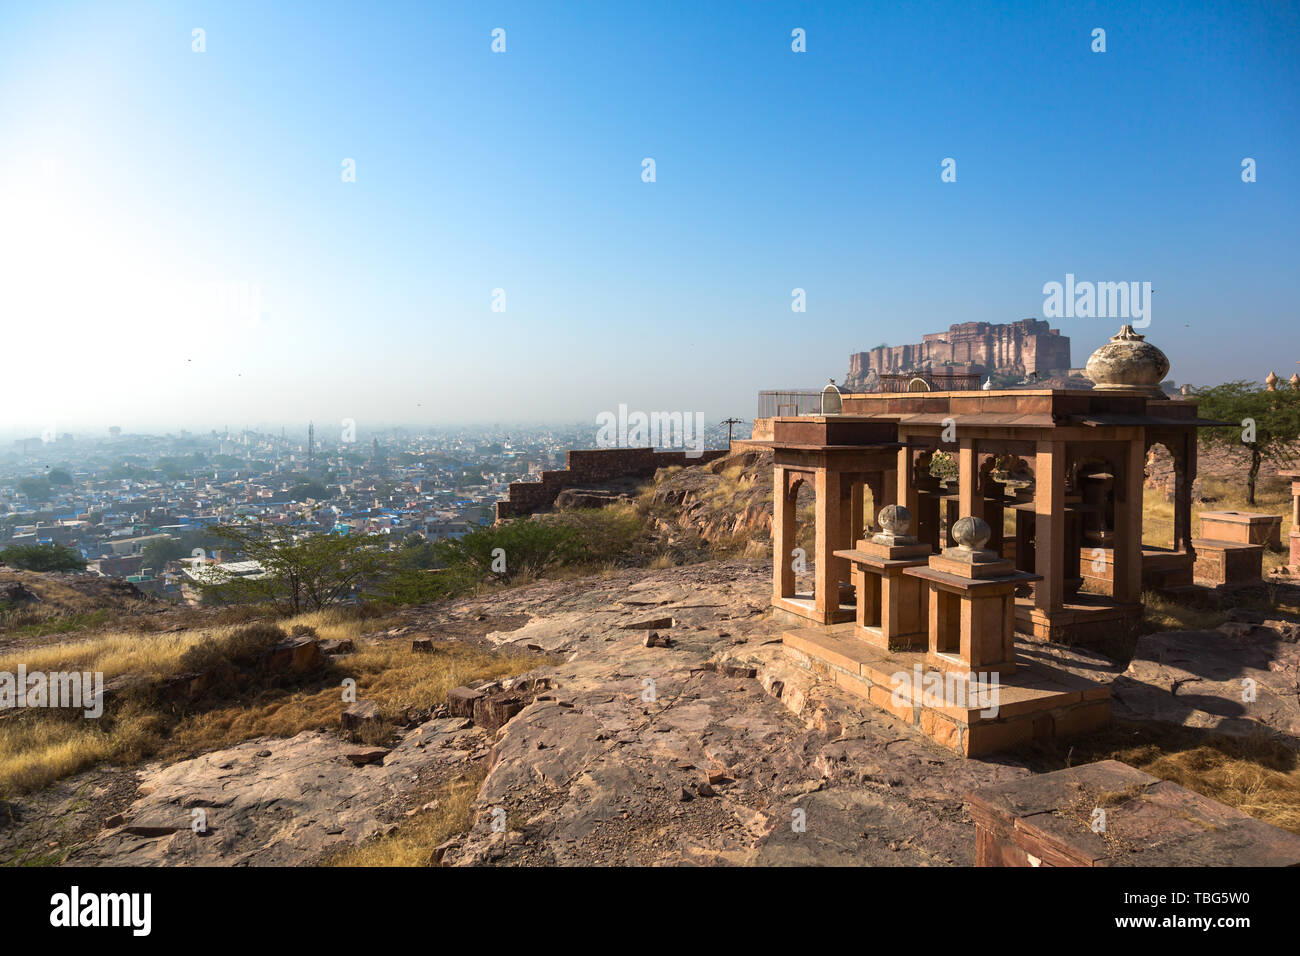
<point>1162,614</point>
<point>1257,775</point>
<point>413,842</point>
<point>38,747</point>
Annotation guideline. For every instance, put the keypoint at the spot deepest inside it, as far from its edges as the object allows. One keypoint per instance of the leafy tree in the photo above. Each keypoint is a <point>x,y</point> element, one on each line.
<point>35,487</point>
<point>59,476</point>
<point>311,489</point>
<point>299,573</point>
<point>416,586</point>
<point>43,557</point>
<point>507,551</point>
<point>1266,424</point>
<point>158,552</point>
<point>416,553</point>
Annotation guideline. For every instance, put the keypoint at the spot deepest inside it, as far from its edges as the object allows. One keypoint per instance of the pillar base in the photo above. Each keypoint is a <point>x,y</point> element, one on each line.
<point>1037,702</point>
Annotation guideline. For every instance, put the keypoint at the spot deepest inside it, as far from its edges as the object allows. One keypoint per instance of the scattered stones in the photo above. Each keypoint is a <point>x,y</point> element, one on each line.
<point>370,755</point>
<point>654,639</point>
<point>736,669</point>
<point>651,625</point>
<point>148,831</point>
<point>334,647</point>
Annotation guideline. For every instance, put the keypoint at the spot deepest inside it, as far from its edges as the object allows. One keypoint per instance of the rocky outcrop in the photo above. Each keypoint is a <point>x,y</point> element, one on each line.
<point>704,745</point>
<point>727,502</point>
<point>275,802</point>
<point>711,749</point>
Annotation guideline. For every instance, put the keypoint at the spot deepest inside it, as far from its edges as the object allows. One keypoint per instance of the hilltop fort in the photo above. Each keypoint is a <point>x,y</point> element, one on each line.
<point>1020,348</point>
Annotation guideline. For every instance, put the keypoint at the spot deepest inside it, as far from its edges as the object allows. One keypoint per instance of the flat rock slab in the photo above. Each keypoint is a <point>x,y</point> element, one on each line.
<point>685,756</point>
<point>1203,678</point>
<point>279,802</point>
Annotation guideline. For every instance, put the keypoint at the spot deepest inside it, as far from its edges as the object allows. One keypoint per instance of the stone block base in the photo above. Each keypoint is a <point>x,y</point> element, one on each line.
<point>1052,819</point>
<point>1036,702</point>
<point>1084,619</point>
<point>1227,564</point>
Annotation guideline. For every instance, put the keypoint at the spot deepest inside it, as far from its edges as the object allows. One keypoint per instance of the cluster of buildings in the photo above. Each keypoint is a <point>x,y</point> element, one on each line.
<point>139,507</point>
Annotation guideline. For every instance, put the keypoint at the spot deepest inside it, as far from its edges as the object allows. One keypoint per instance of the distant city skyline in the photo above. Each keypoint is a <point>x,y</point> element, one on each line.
<point>182,244</point>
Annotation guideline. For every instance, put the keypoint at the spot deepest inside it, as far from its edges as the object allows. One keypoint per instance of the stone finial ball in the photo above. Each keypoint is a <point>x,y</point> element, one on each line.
<point>971,533</point>
<point>895,519</point>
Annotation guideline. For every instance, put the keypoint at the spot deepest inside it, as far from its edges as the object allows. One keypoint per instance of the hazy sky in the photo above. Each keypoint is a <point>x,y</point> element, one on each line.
<point>144,187</point>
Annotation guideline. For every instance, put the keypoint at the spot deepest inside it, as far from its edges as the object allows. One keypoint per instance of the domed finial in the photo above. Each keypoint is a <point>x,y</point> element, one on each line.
<point>988,384</point>
<point>895,519</point>
<point>832,404</point>
<point>1128,363</point>
<point>895,522</point>
<point>971,533</point>
<point>1295,381</point>
<point>1271,381</point>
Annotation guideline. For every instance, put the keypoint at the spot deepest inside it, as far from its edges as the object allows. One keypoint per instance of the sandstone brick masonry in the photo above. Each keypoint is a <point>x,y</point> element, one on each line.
<point>1030,345</point>
<point>591,467</point>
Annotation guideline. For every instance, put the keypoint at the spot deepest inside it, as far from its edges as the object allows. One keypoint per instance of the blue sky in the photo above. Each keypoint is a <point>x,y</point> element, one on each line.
<point>136,175</point>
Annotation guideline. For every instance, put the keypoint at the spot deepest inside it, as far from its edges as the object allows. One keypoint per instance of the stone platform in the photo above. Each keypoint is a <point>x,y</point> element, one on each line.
<point>1037,701</point>
<point>1083,618</point>
<point>801,608</point>
<point>1053,820</point>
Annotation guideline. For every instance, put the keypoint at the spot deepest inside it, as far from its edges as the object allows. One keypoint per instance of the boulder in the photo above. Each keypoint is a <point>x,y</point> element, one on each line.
<point>368,756</point>
<point>493,712</point>
<point>461,700</point>
<point>360,715</point>
<point>297,653</point>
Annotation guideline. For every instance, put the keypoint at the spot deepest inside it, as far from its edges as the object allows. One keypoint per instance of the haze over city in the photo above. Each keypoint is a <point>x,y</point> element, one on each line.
<point>143,180</point>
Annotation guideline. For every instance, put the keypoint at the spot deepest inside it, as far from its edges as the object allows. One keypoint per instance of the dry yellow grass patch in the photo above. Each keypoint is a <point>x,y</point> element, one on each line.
<point>413,842</point>
<point>386,672</point>
<point>1161,614</point>
<point>38,747</point>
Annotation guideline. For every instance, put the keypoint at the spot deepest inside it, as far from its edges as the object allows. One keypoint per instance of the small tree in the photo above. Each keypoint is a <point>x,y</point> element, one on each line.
<point>297,573</point>
<point>1266,424</point>
<point>159,552</point>
<point>504,552</point>
<point>43,557</point>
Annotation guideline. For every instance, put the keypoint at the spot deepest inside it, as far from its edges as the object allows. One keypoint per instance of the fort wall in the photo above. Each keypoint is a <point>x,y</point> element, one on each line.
<point>591,467</point>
